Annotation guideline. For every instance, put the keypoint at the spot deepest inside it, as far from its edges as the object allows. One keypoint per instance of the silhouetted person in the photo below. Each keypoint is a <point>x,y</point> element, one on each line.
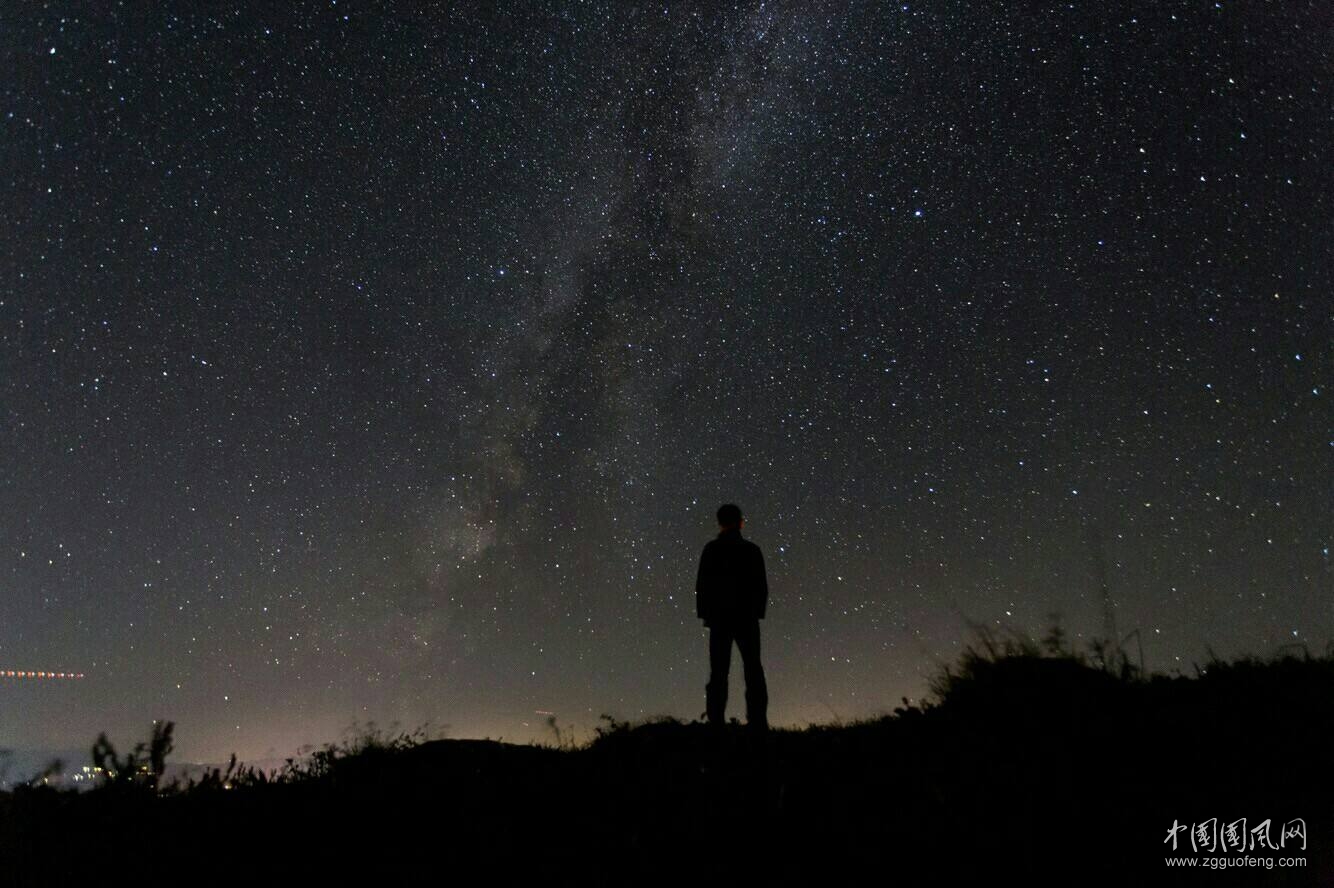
<point>730,596</point>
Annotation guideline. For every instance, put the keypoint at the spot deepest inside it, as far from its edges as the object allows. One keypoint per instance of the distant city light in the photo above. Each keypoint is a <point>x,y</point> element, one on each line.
<point>29,673</point>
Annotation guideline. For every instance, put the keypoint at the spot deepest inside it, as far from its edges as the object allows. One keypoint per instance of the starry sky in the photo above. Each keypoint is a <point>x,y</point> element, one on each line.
<point>388,362</point>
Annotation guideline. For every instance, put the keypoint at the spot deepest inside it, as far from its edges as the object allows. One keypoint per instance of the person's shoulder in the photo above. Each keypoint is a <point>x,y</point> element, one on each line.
<point>754,547</point>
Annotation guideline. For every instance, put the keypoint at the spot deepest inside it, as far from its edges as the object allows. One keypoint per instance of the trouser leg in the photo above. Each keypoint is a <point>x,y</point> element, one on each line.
<point>757,692</point>
<point>720,661</point>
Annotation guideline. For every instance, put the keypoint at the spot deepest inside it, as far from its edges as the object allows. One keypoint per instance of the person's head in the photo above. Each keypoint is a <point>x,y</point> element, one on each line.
<point>729,516</point>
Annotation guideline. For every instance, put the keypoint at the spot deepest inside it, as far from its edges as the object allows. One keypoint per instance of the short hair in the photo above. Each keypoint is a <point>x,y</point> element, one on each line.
<point>729,515</point>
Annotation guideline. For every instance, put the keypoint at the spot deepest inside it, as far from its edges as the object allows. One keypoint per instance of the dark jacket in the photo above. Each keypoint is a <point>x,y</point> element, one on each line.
<point>731,586</point>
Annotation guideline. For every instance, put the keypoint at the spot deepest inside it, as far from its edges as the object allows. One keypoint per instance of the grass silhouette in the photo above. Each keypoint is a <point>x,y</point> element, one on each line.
<point>1028,759</point>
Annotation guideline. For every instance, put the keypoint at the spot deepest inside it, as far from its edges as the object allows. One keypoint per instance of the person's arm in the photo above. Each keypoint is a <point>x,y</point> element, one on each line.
<point>762,583</point>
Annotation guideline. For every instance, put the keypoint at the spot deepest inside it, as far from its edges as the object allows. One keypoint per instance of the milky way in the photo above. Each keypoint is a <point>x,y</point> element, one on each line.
<point>367,363</point>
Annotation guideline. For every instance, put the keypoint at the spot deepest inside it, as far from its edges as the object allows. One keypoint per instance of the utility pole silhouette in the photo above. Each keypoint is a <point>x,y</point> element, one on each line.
<point>1095,543</point>
<point>1115,651</point>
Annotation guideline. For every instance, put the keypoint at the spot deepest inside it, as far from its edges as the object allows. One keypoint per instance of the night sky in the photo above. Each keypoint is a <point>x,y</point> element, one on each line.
<point>370,363</point>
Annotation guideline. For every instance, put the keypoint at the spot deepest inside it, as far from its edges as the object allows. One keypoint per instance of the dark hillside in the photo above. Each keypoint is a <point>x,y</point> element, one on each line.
<point>1045,767</point>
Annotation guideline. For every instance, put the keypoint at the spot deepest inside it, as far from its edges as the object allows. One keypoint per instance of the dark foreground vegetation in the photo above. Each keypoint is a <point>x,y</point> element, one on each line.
<point>1030,761</point>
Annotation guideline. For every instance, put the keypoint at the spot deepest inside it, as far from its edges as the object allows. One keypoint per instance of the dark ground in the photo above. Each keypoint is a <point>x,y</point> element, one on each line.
<point>1040,768</point>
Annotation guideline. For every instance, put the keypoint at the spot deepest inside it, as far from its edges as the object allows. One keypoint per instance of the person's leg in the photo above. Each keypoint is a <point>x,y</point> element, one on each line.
<point>757,692</point>
<point>720,662</point>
